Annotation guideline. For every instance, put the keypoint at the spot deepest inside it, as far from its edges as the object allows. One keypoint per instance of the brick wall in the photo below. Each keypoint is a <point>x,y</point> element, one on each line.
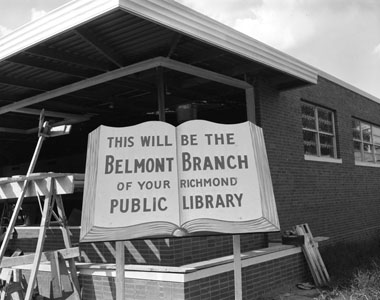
<point>103,288</point>
<point>168,252</point>
<point>257,280</point>
<point>337,200</point>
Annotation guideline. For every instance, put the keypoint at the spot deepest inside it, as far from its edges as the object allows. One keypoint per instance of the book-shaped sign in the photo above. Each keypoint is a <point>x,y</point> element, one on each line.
<point>157,180</point>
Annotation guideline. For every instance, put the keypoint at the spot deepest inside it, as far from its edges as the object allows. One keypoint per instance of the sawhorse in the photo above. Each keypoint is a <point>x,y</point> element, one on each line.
<point>51,186</point>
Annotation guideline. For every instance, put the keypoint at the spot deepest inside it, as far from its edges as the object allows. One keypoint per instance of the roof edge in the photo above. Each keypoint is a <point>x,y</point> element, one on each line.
<point>53,23</point>
<point>167,13</point>
<point>181,18</point>
<point>348,86</point>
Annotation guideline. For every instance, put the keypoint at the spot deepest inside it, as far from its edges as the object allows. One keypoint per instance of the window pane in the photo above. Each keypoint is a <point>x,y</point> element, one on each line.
<point>325,120</point>
<point>357,151</point>
<point>308,116</point>
<point>327,145</point>
<point>310,142</point>
<point>377,153</point>
<point>366,131</point>
<point>376,134</point>
<point>356,129</point>
<point>368,153</point>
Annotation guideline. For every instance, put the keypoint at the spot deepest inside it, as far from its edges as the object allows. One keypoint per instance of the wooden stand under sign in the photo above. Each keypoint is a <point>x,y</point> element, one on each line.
<point>51,186</point>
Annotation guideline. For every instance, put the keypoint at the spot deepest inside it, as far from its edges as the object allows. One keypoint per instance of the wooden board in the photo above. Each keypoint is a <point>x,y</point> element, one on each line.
<point>313,257</point>
<point>8,262</point>
<point>11,187</point>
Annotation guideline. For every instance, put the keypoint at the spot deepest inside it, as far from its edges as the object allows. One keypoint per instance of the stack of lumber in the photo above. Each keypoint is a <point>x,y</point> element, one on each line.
<point>313,257</point>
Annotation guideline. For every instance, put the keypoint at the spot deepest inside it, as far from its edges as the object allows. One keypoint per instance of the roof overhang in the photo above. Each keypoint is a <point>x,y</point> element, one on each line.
<point>97,61</point>
<point>167,13</point>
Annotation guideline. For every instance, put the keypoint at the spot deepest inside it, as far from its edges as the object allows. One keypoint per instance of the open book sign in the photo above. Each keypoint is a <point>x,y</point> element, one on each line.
<point>157,180</point>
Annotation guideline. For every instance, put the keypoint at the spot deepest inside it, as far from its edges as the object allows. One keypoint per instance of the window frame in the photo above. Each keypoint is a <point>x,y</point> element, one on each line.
<point>318,132</point>
<point>371,143</point>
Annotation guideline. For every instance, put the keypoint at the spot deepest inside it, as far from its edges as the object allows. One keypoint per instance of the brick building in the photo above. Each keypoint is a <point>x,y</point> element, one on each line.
<point>120,63</point>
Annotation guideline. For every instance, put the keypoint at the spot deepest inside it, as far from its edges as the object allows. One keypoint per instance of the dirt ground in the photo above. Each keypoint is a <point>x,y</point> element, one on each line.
<point>305,291</point>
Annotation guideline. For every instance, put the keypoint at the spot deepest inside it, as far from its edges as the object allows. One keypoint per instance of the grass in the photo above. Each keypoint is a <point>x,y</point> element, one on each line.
<point>355,271</point>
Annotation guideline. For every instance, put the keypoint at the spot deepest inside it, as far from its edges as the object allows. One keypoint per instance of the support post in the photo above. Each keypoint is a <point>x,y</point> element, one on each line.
<point>161,94</point>
<point>237,267</point>
<point>250,104</point>
<point>120,271</point>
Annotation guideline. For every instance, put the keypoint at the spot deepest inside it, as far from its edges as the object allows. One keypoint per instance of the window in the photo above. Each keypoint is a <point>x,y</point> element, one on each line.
<point>366,141</point>
<point>318,131</point>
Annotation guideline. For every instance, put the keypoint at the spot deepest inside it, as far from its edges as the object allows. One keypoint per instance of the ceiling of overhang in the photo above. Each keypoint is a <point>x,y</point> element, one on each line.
<point>114,40</point>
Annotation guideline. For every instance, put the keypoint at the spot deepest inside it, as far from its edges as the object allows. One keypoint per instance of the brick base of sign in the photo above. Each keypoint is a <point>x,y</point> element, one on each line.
<point>260,275</point>
<point>262,271</point>
<point>164,252</point>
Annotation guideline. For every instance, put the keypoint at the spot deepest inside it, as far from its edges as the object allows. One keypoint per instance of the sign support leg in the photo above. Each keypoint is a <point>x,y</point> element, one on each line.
<point>237,267</point>
<point>120,271</point>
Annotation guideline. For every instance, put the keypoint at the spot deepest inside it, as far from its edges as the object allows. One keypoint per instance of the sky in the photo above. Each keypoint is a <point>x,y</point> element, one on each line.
<point>339,37</point>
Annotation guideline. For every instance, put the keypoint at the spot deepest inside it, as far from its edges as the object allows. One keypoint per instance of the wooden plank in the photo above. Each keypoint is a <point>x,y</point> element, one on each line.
<point>64,184</point>
<point>55,275</point>
<point>67,242</point>
<point>41,239</point>
<point>14,291</point>
<point>36,176</point>
<point>237,267</point>
<point>313,254</point>
<point>319,260</point>
<point>309,257</point>
<point>9,262</point>
<point>120,270</point>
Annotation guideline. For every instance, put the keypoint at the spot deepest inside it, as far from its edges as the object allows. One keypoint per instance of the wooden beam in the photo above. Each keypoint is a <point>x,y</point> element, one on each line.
<point>237,267</point>
<point>11,187</point>
<point>120,270</point>
<point>45,219</point>
<point>100,46</point>
<point>128,70</point>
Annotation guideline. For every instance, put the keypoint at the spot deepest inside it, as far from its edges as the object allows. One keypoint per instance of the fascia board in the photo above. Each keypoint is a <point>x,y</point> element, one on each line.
<point>55,22</point>
<point>187,21</point>
<point>166,13</point>
<point>348,86</point>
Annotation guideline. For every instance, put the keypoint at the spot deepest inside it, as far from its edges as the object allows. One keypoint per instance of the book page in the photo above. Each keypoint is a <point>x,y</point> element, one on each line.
<point>217,172</point>
<point>137,176</point>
